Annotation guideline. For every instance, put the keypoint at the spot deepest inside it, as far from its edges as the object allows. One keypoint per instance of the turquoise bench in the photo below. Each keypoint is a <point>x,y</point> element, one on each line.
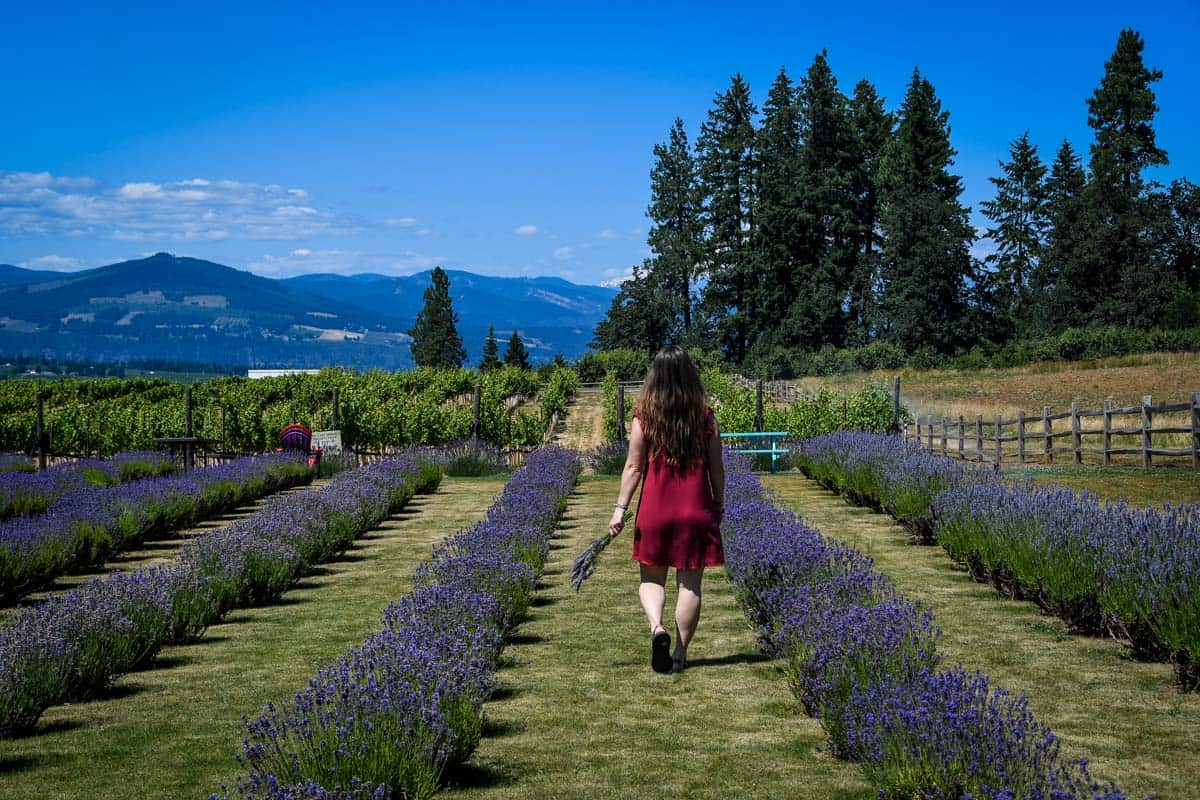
<point>770,438</point>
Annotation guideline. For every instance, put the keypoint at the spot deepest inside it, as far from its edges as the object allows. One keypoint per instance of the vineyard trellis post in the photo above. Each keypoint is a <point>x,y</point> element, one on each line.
<point>1075,435</point>
<point>1048,428</point>
<point>43,443</point>
<point>896,403</point>
<point>337,415</point>
<point>475,413</point>
<point>962,434</point>
<point>189,452</point>
<point>1020,437</point>
<point>620,413</point>
<point>979,434</point>
<point>758,408</point>
<point>224,446</point>
<point>945,429</point>
<point>1147,418</point>
<point>918,437</point>
<point>1107,432</point>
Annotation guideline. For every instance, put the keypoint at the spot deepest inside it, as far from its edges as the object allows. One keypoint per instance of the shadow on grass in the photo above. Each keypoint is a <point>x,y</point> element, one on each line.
<point>10,764</point>
<point>496,728</point>
<point>542,600</point>
<point>727,661</point>
<point>46,728</point>
<point>526,638</point>
<point>504,693</point>
<point>473,775</point>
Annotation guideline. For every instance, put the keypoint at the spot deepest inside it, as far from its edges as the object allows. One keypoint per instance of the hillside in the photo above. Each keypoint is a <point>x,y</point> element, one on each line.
<point>167,307</point>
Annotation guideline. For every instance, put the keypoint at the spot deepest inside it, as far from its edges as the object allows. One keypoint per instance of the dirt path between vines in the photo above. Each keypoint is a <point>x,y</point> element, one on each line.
<point>581,715</point>
<point>583,428</point>
<point>1126,716</point>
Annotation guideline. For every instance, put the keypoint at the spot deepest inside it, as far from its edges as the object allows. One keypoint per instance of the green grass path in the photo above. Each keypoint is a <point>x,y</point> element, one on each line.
<point>1124,715</point>
<point>581,715</point>
<point>172,731</point>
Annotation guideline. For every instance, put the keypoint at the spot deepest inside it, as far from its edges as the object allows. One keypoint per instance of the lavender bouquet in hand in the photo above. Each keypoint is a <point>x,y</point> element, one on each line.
<point>585,562</point>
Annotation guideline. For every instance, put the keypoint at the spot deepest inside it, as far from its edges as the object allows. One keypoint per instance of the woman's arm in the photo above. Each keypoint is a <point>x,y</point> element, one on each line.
<point>631,476</point>
<point>716,469</point>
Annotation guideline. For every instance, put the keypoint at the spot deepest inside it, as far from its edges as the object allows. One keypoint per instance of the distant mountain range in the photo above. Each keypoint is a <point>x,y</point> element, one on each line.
<point>186,309</point>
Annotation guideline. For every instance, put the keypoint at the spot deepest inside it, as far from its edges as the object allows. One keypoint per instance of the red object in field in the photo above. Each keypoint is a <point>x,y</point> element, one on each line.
<point>296,438</point>
<point>314,458</point>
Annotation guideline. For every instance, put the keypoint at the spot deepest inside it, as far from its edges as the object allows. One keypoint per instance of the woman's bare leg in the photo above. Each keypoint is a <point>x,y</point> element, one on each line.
<point>653,594</point>
<point>687,608</point>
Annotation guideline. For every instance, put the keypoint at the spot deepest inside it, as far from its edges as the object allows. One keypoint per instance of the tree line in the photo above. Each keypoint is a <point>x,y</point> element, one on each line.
<point>435,340</point>
<point>829,220</point>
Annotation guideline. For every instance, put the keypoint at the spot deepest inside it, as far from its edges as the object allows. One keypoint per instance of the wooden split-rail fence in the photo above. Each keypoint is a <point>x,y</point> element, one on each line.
<point>1037,439</point>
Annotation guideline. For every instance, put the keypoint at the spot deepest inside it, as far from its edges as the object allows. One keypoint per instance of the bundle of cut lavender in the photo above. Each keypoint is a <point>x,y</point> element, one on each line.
<point>585,562</point>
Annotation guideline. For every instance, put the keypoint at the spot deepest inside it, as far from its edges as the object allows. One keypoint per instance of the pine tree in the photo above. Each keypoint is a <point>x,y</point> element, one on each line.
<point>1121,112</point>
<point>726,156</point>
<point>1018,214</point>
<point>676,234</point>
<point>435,340</point>
<point>515,355</point>
<point>926,258</point>
<point>1063,274</point>
<point>778,230</point>
<point>1183,242</point>
<point>872,126</point>
<point>639,317</point>
<point>491,352</point>
<point>815,317</point>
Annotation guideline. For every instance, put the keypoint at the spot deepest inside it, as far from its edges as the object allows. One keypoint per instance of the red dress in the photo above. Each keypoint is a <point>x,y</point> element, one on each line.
<point>676,523</point>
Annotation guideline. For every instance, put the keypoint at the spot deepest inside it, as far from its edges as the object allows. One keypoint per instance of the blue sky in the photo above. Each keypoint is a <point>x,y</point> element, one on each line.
<point>507,139</point>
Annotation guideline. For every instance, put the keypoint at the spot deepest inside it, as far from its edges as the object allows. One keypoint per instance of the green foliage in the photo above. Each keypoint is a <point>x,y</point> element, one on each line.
<point>435,339</point>
<point>515,355</point>
<point>491,352</point>
<point>626,365</point>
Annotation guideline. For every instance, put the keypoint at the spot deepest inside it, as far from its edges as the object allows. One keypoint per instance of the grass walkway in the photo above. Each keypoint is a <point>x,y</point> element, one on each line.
<point>1126,716</point>
<point>172,731</point>
<point>581,714</point>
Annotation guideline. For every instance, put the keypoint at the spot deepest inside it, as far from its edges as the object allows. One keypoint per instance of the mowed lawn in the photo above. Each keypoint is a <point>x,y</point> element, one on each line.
<point>1126,716</point>
<point>581,714</point>
<point>172,731</point>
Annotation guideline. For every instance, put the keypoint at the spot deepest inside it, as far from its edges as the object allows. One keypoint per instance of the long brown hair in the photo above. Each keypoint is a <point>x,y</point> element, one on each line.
<point>672,408</point>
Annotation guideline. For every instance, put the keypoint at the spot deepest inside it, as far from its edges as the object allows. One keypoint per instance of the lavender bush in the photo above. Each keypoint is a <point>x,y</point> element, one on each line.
<point>83,527</point>
<point>27,491</point>
<point>864,660</point>
<point>74,645</point>
<point>387,718</point>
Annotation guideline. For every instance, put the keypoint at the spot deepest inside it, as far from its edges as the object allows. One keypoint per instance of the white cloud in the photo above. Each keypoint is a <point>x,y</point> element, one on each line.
<point>608,233</point>
<point>400,222</point>
<point>425,232</point>
<point>525,230</point>
<point>563,253</point>
<point>614,277</point>
<point>61,263</point>
<point>302,252</point>
<point>197,209</point>
<point>342,262</point>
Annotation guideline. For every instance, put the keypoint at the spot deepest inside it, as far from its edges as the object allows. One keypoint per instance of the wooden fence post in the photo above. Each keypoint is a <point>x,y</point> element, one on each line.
<point>1021,437</point>
<point>932,425</point>
<point>1107,432</point>
<point>1076,438</point>
<point>962,434</point>
<point>979,435</point>
<point>620,413</point>
<point>189,453</point>
<point>1048,429</point>
<point>1196,429</point>
<point>945,433</point>
<point>40,431</point>
<point>918,434</point>
<point>1147,420</point>
<point>999,443</point>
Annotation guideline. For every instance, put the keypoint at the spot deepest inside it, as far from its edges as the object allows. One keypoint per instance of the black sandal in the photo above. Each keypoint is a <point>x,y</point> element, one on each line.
<point>678,665</point>
<point>660,652</point>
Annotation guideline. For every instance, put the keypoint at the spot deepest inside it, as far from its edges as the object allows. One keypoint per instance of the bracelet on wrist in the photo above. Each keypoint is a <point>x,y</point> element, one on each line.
<point>618,505</point>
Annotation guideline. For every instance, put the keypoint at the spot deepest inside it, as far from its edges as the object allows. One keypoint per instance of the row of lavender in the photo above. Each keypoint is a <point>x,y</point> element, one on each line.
<point>863,659</point>
<point>392,714</point>
<point>73,646</point>
<point>1105,568</point>
<point>32,492</point>
<point>84,527</point>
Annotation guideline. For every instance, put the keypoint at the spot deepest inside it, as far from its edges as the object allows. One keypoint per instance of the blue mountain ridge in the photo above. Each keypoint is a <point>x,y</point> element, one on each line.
<point>169,307</point>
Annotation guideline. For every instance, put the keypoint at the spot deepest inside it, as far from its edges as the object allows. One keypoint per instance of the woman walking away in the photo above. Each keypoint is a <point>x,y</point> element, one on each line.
<point>674,444</point>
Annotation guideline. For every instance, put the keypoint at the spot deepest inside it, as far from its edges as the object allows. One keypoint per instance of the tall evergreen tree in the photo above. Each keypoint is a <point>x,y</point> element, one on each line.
<point>872,126</point>
<point>491,352</point>
<point>778,229</point>
<point>639,317</point>
<point>1121,112</point>
<point>515,354</point>
<point>926,258</point>
<point>676,236</point>
<point>435,340</point>
<point>1184,232</point>
<point>815,317</point>
<point>1018,215</point>
<point>726,156</point>
<point>1063,274</point>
